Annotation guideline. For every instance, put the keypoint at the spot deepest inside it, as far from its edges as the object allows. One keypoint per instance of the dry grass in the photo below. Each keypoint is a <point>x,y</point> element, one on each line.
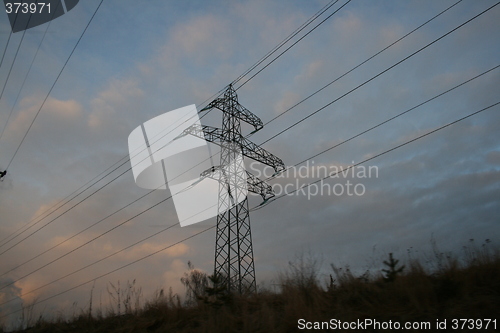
<point>467,288</point>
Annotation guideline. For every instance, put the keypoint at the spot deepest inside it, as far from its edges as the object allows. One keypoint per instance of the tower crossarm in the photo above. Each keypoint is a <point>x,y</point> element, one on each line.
<point>236,110</point>
<point>248,148</point>
<point>258,186</point>
<point>257,153</point>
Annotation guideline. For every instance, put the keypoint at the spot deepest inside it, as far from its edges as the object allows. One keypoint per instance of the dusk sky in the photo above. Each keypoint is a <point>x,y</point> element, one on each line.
<point>140,59</point>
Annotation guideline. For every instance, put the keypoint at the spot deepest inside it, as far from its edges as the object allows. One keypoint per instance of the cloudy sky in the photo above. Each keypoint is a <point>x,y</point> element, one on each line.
<point>138,60</point>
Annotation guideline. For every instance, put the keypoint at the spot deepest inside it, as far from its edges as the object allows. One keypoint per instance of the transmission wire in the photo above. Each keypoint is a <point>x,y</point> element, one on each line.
<point>53,85</point>
<point>274,199</point>
<point>288,48</point>
<point>29,70</point>
<point>217,94</point>
<point>384,71</point>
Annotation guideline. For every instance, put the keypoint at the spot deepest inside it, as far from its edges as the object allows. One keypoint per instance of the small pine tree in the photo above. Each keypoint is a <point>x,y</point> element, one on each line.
<point>217,294</point>
<point>393,271</point>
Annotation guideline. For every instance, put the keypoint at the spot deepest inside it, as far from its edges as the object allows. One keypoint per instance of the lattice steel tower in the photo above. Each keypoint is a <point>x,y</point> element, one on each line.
<point>234,262</point>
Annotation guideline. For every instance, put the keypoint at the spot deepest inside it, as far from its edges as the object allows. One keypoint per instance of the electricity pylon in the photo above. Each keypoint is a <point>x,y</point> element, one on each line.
<point>234,263</point>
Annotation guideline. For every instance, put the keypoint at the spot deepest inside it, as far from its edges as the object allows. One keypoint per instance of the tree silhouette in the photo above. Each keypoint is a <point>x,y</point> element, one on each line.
<point>392,272</point>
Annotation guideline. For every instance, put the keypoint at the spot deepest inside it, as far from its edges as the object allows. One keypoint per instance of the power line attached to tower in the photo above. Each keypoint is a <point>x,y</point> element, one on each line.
<point>234,263</point>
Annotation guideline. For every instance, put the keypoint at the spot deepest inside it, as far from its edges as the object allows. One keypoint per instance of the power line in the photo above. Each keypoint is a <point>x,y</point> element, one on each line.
<point>303,118</point>
<point>390,45</point>
<point>13,62</point>
<point>316,155</point>
<point>397,116</point>
<point>288,48</point>
<point>91,264</point>
<point>420,136</point>
<point>124,159</point>
<point>109,182</point>
<point>205,230</point>
<point>8,40</point>
<point>363,62</point>
<point>51,209</point>
<point>101,220</point>
<point>5,49</point>
<point>53,85</point>
<point>88,242</point>
<point>102,234</point>
<point>110,255</point>
<point>375,156</point>
<point>100,188</point>
<point>368,60</point>
<point>310,20</point>
<point>218,94</point>
<point>115,270</point>
<point>81,201</point>
<point>75,205</point>
<point>78,233</point>
<point>379,74</point>
<point>29,70</point>
<point>283,42</point>
<point>338,79</point>
<point>386,121</point>
<point>12,66</point>
<point>228,94</point>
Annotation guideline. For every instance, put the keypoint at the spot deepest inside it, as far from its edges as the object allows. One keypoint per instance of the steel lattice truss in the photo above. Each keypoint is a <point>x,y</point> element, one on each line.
<point>234,263</point>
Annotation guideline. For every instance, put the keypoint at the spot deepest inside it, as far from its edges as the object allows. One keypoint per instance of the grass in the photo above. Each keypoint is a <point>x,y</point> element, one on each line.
<point>415,292</point>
